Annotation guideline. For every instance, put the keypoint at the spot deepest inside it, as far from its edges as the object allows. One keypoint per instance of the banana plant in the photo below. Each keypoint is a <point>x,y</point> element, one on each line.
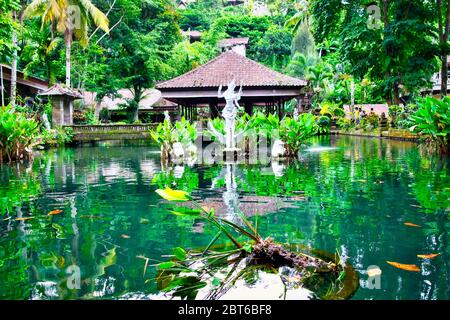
<point>432,119</point>
<point>18,135</point>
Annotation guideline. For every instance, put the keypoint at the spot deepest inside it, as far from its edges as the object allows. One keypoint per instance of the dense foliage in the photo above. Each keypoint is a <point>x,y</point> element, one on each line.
<point>433,120</point>
<point>17,134</point>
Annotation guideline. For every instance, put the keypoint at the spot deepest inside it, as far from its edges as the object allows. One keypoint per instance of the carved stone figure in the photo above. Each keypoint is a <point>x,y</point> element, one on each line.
<point>229,113</point>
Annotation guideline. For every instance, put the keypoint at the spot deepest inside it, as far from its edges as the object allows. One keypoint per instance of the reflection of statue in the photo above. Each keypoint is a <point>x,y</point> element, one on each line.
<point>230,196</point>
<point>230,112</point>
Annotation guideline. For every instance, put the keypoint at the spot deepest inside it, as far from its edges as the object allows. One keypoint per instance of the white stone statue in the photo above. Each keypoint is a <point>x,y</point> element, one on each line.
<point>46,122</point>
<point>278,149</point>
<point>229,113</point>
<point>166,116</point>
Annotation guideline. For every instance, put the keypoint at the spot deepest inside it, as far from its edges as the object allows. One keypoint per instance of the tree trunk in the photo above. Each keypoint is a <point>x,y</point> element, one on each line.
<point>68,40</point>
<point>97,110</point>
<point>444,39</point>
<point>137,99</point>
<point>14,65</point>
<point>3,90</point>
<point>387,74</point>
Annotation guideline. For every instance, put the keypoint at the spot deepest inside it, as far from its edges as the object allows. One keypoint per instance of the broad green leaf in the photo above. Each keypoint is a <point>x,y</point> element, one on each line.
<point>180,253</point>
<point>166,265</point>
<point>183,211</point>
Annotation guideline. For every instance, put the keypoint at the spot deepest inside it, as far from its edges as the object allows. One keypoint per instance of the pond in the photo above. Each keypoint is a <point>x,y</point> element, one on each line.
<point>371,200</point>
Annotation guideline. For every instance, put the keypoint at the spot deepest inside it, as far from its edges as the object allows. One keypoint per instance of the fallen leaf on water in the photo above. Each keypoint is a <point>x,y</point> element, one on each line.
<point>24,219</point>
<point>428,256</point>
<point>410,224</point>
<point>125,236</point>
<point>54,212</point>
<point>407,267</point>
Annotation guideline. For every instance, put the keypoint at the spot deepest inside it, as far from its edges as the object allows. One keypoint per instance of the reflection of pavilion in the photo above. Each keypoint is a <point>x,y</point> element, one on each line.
<point>231,203</point>
<point>252,205</point>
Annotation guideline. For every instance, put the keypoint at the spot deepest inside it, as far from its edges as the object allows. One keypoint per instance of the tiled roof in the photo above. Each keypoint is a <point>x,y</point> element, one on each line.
<point>192,33</point>
<point>151,100</point>
<point>228,66</point>
<point>232,42</point>
<point>59,90</point>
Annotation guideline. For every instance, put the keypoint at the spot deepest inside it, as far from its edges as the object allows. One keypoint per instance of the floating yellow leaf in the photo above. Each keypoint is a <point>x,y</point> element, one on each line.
<point>24,219</point>
<point>428,256</point>
<point>407,267</point>
<point>54,212</point>
<point>174,195</point>
<point>410,224</point>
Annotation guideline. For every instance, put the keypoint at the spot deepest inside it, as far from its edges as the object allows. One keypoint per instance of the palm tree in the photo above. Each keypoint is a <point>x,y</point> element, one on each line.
<point>301,16</point>
<point>68,17</point>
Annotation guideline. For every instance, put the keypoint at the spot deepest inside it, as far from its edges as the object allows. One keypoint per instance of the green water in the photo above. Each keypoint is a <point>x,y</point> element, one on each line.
<point>349,194</point>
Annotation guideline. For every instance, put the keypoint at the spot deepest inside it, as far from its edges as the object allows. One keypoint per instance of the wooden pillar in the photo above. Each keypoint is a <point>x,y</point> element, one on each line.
<point>213,110</point>
<point>248,107</point>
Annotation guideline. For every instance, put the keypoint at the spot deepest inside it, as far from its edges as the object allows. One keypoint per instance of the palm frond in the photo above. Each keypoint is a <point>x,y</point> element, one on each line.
<point>34,8</point>
<point>100,19</point>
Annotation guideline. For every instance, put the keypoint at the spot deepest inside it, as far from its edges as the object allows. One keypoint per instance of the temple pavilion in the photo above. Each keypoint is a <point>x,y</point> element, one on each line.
<point>262,87</point>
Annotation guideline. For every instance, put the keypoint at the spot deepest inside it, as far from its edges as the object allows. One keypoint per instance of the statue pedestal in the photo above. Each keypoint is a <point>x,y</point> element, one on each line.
<point>231,154</point>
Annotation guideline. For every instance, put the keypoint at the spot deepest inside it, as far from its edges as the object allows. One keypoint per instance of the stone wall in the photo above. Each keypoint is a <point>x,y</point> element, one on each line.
<point>111,132</point>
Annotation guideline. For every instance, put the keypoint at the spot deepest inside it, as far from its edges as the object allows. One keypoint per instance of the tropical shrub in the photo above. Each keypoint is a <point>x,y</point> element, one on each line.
<point>294,133</point>
<point>323,124</point>
<point>57,137</point>
<point>404,120</point>
<point>18,135</point>
<point>345,124</point>
<point>263,125</point>
<point>394,112</point>
<point>167,134</point>
<point>331,110</point>
<point>432,119</point>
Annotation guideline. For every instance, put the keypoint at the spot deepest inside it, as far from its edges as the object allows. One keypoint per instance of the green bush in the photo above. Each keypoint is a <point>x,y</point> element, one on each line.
<point>323,124</point>
<point>432,119</point>
<point>294,133</point>
<point>346,124</point>
<point>18,135</point>
<point>167,134</point>
<point>57,137</point>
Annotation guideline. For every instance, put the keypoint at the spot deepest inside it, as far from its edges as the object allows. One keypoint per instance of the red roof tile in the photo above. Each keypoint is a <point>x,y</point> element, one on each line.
<point>60,90</point>
<point>228,66</point>
<point>232,42</point>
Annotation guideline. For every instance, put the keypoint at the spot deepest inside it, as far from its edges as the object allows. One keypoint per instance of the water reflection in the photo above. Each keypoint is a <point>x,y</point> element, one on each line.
<point>350,194</point>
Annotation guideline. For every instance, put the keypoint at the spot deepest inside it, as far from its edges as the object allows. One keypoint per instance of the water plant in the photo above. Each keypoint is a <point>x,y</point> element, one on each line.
<point>323,124</point>
<point>295,132</point>
<point>56,137</point>
<point>167,134</point>
<point>18,135</point>
<point>432,119</point>
<point>218,270</point>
